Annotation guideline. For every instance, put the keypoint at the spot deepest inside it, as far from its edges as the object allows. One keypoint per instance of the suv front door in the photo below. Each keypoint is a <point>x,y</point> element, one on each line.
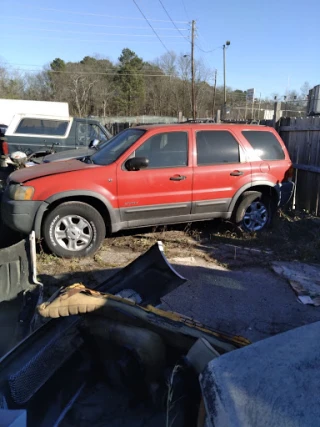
<point>221,171</point>
<point>162,192</point>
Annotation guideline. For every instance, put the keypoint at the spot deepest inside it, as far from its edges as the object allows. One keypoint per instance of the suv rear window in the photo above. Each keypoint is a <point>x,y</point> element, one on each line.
<point>42,127</point>
<point>265,144</point>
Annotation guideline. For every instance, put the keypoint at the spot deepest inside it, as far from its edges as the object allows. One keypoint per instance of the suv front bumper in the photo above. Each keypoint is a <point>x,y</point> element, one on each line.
<point>19,215</point>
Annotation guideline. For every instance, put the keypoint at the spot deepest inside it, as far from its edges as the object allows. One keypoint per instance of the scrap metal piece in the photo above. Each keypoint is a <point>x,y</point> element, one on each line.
<point>77,299</point>
<point>20,292</point>
<point>150,276</point>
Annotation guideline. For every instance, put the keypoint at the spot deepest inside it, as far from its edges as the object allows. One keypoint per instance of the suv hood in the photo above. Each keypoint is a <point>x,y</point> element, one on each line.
<point>46,169</point>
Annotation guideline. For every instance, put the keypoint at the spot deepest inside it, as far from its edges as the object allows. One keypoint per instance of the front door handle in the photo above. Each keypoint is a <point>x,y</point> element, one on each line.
<point>177,178</point>
<point>236,173</point>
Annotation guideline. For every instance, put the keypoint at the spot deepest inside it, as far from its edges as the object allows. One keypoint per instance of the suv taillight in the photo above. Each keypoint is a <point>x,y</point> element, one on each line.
<point>5,147</point>
<point>289,174</point>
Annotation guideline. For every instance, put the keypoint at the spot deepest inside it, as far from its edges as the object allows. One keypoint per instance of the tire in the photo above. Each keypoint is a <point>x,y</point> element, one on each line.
<point>254,213</point>
<point>74,230</point>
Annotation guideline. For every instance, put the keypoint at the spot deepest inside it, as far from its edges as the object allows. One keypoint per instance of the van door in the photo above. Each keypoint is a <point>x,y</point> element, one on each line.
<point>87,132</point>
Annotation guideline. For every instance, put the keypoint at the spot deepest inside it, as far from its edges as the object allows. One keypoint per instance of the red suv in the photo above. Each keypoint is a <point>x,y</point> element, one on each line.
<point>152,175</point>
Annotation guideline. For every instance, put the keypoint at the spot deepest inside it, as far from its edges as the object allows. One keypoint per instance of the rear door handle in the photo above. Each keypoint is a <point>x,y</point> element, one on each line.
<point>236,173</point>
<point>177,178</point>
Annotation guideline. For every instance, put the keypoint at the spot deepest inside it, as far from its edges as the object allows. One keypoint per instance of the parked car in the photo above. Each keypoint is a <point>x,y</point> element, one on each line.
<point>152,175</point>
<point>75,154</point>
<point>36,133</point>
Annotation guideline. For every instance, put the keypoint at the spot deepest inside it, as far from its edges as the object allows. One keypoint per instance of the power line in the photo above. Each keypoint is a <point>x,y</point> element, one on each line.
<point>40,65</point>
<point>96,73</point>
<point>86,24</point>
<point>93,14</point>
<point>48,30</point>
<point>167,13</point>
<point>83,40</point>
<point>185,9</point>
<point>207,51</point>
<point>134,1</point>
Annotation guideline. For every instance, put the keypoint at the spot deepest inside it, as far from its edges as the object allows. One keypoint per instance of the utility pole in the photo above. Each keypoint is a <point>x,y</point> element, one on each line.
<point>224,79</point>
<point>193,93</point>
<point>214,93</point>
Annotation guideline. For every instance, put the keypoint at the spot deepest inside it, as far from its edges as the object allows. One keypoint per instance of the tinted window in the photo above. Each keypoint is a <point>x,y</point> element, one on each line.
<point>217,147</point>
<point>109,152</point>
<point>265,145</point>
<point>165,150</point>
<point>42,127</point>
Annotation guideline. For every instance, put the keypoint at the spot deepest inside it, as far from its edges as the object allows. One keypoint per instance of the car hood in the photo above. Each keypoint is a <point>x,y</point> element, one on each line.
<point>46,169</point>
<point>69,154</point>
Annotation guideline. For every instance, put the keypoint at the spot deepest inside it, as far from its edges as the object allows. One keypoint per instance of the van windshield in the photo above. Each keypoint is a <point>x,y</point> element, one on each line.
<point>109,152</point>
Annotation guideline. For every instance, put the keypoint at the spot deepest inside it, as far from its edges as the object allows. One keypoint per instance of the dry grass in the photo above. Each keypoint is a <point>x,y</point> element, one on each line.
<point>294,236</point>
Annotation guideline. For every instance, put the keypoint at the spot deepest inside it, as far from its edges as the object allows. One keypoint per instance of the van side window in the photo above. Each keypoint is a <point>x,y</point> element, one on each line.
<point>88,132</point>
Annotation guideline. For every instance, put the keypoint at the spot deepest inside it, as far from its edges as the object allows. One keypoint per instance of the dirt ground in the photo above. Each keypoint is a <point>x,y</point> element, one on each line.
<point>292,237</point>
<point>230,285</point>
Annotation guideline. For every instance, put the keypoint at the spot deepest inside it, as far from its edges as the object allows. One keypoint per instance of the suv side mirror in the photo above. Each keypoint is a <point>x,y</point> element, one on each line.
<point>136,163</point>
<point>94,143</point>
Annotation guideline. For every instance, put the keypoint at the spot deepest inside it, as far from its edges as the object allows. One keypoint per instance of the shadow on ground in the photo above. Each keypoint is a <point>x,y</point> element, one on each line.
<point>253,302</point>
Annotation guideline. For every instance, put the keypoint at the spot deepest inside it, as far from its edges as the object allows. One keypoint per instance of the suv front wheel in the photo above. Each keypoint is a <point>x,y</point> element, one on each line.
<point>74,230</point>
<point>254,212</point>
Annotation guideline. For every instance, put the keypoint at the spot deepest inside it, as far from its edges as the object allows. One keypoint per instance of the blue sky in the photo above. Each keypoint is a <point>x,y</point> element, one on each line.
<point>274,44</point>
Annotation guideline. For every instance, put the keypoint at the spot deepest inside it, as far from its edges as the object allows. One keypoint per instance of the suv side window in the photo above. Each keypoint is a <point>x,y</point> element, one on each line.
<point>165,150</point>
<point>216,147</point>
<point>42,127</point>
<point>265,144</point>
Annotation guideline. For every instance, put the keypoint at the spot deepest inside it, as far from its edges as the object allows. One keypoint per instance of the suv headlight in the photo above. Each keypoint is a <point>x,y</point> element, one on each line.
<point>20,192</point>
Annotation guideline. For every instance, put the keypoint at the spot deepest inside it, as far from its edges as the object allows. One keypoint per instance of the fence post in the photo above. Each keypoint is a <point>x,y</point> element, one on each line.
<point>276,113</point>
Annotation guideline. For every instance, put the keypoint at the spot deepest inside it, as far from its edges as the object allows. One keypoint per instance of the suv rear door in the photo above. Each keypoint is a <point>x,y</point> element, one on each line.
<point>221,170</point>
<point>162,192</point>
<point>269,158</point>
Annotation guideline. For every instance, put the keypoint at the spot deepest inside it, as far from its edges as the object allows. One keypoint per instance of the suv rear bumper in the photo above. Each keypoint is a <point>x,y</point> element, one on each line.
<point>19,215</point>
<point>286,190</point>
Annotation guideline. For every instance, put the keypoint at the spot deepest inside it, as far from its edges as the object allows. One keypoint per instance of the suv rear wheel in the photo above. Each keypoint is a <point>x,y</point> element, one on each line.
<point>254,212</point>
<point>74,230</point>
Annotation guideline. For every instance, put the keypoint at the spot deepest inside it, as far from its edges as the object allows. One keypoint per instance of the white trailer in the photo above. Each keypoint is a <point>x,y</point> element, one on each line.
<point>10,107</point>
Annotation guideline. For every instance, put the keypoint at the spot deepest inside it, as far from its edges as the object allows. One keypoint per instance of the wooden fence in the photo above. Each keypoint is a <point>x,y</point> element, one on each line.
<point>302,139</point>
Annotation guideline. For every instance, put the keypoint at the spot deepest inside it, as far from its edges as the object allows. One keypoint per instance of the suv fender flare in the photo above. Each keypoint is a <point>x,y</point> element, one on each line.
<point>252,186</point>
<point>114,213</point>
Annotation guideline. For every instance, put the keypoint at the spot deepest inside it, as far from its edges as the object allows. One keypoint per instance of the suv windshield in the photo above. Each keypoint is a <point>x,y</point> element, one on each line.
<point>114,148</point>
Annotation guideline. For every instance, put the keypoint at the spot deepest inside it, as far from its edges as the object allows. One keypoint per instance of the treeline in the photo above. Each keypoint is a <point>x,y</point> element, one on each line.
<point>130,87</point>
